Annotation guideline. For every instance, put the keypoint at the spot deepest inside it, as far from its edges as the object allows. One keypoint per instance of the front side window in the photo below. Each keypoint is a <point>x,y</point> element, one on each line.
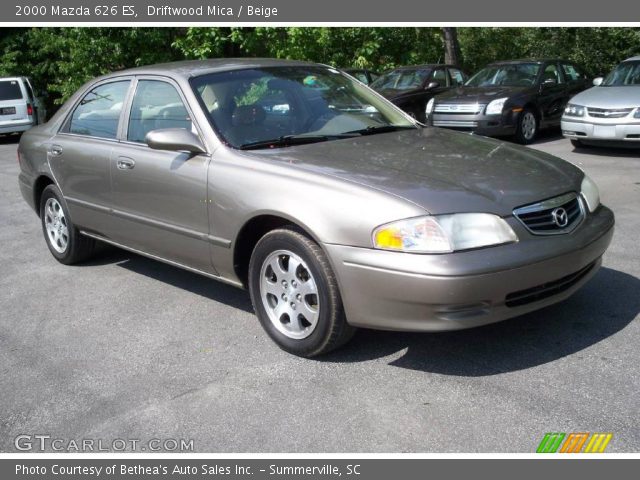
<point>98,113</point>
<point>624,75</point>
<point>156,105</point>
<point>551,74</point>
<point>312,103</point>
<point>511,75</point>
<point>440,76</point>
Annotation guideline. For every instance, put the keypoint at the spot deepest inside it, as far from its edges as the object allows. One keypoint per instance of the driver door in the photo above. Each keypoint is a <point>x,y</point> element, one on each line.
<point>160,197</point>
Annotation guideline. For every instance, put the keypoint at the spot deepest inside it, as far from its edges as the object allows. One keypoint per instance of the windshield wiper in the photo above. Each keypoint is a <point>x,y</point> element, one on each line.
<point>298,139</point>
<point>373,129</point>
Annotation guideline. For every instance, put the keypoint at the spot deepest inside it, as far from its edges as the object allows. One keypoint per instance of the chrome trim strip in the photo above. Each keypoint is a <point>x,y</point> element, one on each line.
<point>163,260</point>
<point>187,232</point>
<point>549,204</point>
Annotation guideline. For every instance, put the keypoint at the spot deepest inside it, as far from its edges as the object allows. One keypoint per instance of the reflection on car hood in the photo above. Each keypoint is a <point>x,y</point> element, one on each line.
<point>609,97</point>
<point>440,170</point>
<point>477,94</point>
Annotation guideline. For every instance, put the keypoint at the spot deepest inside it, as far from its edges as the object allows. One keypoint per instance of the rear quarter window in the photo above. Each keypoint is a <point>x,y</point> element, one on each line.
<point>10,90</point>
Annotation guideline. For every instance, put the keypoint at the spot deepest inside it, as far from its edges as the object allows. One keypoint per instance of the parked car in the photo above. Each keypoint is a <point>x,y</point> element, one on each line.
<point>608,112</point>
<point>410,88</point>
<point>338,212</point>
<point>364,75</point>
<point>20,108</point>
<point>515,97</point>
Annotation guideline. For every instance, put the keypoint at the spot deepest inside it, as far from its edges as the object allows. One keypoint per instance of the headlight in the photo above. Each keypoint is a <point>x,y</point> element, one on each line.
<point>572,110</point>
<point>430,105</point>
<point>443,233</point>
<point>590,193</point>
<point>496,106</point>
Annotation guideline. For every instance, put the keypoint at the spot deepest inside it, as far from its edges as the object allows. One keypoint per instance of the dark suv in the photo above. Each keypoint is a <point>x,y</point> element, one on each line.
<point>410,88</point>
<point>515,97</point>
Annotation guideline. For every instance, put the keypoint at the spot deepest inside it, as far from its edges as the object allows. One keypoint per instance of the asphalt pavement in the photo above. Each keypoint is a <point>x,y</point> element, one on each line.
<point>127,348</point>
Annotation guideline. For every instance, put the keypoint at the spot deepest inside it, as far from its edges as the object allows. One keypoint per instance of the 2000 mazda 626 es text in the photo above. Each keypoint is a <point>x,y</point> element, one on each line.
<point>332,206</point>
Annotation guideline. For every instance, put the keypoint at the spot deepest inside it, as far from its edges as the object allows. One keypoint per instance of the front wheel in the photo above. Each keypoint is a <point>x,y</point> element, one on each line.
<point>527,127</point>
<point>295,294</point>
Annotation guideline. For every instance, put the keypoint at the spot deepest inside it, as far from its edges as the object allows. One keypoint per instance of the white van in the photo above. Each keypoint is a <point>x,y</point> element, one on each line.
<point>20,109</point>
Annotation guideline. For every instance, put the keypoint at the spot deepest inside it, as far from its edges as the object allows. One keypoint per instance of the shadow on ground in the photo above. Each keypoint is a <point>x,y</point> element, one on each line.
<point>177,277</point>
<point>606,305</point>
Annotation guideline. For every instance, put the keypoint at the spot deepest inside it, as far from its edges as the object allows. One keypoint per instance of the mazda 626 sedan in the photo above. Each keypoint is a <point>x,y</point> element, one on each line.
<point>332,206</point>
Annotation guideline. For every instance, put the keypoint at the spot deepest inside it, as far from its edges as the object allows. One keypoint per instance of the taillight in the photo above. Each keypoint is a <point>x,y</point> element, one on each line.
<point>29,109</point>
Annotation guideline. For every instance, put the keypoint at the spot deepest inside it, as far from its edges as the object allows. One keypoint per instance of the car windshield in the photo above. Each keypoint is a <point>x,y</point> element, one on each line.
<point>404,79</point>
<point>511,75</point>
<point>624,75</point>
<point>279,106</point>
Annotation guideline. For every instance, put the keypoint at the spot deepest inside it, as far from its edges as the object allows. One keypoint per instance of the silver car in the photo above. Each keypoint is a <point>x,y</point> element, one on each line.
<point>334,208</point>
<point>20,107</point>
<point>608,112</point>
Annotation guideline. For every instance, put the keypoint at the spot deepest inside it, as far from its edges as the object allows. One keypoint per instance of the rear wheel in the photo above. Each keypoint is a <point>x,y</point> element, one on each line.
<point>527,127</point>
<point>295,294</point>
<point>64,240</point>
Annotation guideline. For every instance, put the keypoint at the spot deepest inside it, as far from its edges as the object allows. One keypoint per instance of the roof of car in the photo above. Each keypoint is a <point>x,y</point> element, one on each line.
<point>192,68</point>
<point>528,60</point>
<point>425,65</point>
<point>632,59</point>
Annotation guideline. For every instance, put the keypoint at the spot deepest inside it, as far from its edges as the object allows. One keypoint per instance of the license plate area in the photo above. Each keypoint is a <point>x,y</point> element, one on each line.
<point>604,131</point>
<point>8,111</point>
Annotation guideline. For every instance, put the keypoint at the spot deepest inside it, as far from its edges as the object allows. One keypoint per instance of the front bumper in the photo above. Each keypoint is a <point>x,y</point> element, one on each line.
<point>601,130</point>
<point>488,125</point>
<point>403,291</point>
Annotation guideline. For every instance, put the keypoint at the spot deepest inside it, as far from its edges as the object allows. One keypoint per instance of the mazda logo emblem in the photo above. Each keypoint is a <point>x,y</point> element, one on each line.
<point>560,217</point>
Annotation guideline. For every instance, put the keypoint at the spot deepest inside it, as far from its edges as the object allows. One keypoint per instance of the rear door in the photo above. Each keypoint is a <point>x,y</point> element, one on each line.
<point>79,155</point>
<point>13,103</point>
<point>160,197</point>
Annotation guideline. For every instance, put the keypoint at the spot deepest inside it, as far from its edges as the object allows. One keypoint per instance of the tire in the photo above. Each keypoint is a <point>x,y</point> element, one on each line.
<point>527,127</point>
<point>295,294</point>
<point>63,238</point>
<point>577,143</point>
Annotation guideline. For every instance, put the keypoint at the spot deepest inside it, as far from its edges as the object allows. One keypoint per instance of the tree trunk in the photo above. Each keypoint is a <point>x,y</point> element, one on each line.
<point>452,53</point>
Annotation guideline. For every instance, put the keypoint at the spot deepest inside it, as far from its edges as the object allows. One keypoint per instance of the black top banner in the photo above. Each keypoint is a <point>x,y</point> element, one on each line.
<point>325,11</point>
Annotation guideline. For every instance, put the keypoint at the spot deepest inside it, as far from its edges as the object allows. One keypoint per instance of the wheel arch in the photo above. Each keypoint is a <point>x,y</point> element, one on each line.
<point>42,182</point>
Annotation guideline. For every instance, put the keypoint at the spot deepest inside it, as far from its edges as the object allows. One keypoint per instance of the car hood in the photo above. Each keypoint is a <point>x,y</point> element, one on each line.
<point>440,170</point>
<point>478,94</point>
<point>609,97</point>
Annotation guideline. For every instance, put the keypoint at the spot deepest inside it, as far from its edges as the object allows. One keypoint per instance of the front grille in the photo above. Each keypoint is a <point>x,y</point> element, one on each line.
<point>609,112</point>
<point>553,216</point>
<point>546,290</point>
<point>455,123</point>
<point>453,108</point>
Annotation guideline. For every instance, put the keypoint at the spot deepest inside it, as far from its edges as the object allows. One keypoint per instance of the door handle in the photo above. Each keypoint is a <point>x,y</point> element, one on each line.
<point>125,163</point>
<point>56,150</point>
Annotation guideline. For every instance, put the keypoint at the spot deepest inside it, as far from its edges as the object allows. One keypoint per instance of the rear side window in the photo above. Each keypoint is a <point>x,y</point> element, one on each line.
<point>571,73</point>
<point>98,113</point>
<point>10,90</point>
<point>156,105</point>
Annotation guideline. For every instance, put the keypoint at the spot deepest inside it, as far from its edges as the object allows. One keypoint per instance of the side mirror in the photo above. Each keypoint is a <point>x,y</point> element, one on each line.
<point>174,139</point>
<point>597,81</point>
<point>432,85</point>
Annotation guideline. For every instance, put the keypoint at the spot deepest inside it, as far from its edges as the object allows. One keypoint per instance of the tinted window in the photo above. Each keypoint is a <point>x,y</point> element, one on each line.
<point>404,79</point>
<point>512,75</point>
<point>440,76</point>
<point>10,90</point>
<point>156,105</point>
<point>361,76</point>
<point>98,113</point>
<point>571,73</point>
<point>457,77</point>
<point>551,74</point>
